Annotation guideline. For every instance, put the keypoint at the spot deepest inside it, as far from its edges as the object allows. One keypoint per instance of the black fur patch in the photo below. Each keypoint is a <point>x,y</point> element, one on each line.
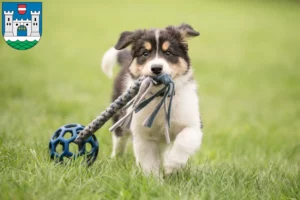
<point>178,47</point>
<point>138,50</point>
<point>124,58</point>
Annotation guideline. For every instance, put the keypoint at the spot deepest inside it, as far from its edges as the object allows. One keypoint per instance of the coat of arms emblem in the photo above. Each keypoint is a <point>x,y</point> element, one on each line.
<point>22,24</point>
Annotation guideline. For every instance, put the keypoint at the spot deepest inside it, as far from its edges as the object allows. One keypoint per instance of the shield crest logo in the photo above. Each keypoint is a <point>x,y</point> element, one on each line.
<point>22,24</point>
<point>22,9</point>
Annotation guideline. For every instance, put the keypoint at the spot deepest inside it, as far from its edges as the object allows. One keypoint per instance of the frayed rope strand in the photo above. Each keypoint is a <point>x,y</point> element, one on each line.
<point>135,97</point>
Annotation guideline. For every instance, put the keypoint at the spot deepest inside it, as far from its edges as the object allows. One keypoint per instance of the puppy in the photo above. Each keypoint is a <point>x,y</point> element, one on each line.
<point>155,52</point>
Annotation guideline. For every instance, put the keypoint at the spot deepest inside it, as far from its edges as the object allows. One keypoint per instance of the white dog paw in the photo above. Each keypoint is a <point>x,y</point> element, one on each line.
<point>172,167</point>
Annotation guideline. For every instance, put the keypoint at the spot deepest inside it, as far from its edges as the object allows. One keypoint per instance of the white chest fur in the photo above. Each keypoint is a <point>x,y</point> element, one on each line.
<point>184,113</point>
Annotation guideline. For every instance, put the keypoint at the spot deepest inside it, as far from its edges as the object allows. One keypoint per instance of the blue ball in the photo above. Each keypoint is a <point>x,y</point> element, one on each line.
<point>64,137</point>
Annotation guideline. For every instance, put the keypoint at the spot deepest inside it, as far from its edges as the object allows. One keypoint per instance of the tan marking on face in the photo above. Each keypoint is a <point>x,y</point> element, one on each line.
<point>148,46</point>
<point>179,69</point>
<point>135,69</point>
<point>165,45</point>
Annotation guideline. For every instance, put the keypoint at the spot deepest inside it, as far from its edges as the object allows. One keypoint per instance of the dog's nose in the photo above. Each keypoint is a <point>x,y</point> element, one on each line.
<point>156,69</point>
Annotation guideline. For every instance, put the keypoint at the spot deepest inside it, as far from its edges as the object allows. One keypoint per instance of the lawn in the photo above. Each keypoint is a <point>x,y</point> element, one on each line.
<point>246,62</point>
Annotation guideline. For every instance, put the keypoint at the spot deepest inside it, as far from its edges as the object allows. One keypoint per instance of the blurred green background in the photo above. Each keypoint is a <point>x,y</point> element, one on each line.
<point>246,62</point>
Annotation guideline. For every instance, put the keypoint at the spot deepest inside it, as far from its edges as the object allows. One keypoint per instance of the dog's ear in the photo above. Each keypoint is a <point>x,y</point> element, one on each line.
<point>126,38</point>
<point>187,30</point>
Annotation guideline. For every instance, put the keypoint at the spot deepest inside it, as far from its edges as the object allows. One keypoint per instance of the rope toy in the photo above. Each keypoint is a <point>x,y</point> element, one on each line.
<point>135,97</point>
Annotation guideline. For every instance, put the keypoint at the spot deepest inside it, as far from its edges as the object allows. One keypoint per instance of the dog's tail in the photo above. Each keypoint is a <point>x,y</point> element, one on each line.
<point>123,57</point>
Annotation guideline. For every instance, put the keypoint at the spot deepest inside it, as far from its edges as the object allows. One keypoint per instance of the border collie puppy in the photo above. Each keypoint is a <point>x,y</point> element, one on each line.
<point>155,52</point>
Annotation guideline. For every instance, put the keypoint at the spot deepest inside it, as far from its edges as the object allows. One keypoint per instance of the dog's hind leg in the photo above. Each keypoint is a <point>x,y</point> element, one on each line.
<point>120,139</point>
<point>119,142</point>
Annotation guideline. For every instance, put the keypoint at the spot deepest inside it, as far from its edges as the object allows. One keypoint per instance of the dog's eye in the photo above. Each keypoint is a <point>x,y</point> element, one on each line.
<point>168,53</point>
<point>145,53</point>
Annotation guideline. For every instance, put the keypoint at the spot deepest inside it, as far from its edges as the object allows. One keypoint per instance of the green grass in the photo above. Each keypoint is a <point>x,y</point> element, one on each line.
<point>246,62</point>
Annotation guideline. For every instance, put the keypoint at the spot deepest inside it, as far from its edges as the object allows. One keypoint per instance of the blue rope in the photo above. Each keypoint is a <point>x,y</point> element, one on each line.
<point>167,91</point>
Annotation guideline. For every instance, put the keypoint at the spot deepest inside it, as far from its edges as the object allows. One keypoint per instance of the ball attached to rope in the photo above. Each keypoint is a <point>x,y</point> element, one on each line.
<point>135,97</point>
<point>64,137</point>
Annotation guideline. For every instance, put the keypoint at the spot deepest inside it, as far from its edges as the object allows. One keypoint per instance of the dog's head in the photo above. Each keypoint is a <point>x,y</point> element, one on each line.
<point>158,51</point>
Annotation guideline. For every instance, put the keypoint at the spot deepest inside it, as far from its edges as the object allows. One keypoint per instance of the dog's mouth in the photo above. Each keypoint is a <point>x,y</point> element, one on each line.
<point>156,81</point>
<point>161,79</point>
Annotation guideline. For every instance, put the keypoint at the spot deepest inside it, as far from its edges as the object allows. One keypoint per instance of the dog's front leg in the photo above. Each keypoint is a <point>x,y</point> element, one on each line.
<point>147,155</point>
<point>185,145</point>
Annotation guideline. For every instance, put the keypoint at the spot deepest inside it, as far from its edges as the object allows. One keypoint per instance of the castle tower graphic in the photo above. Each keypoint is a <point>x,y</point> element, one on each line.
<point>11,26</point>
<point>21,24</point>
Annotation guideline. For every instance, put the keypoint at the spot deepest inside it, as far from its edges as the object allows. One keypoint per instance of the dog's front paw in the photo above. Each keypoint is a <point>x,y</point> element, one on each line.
<point>173,166</point>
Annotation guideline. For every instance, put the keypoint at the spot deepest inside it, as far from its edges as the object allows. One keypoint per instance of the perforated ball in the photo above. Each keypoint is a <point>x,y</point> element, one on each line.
<point>62,145</point>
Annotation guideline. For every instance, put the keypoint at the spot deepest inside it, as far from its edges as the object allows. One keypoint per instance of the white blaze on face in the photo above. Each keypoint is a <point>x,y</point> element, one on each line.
<point>157,42</point>
<point>156,60</point>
